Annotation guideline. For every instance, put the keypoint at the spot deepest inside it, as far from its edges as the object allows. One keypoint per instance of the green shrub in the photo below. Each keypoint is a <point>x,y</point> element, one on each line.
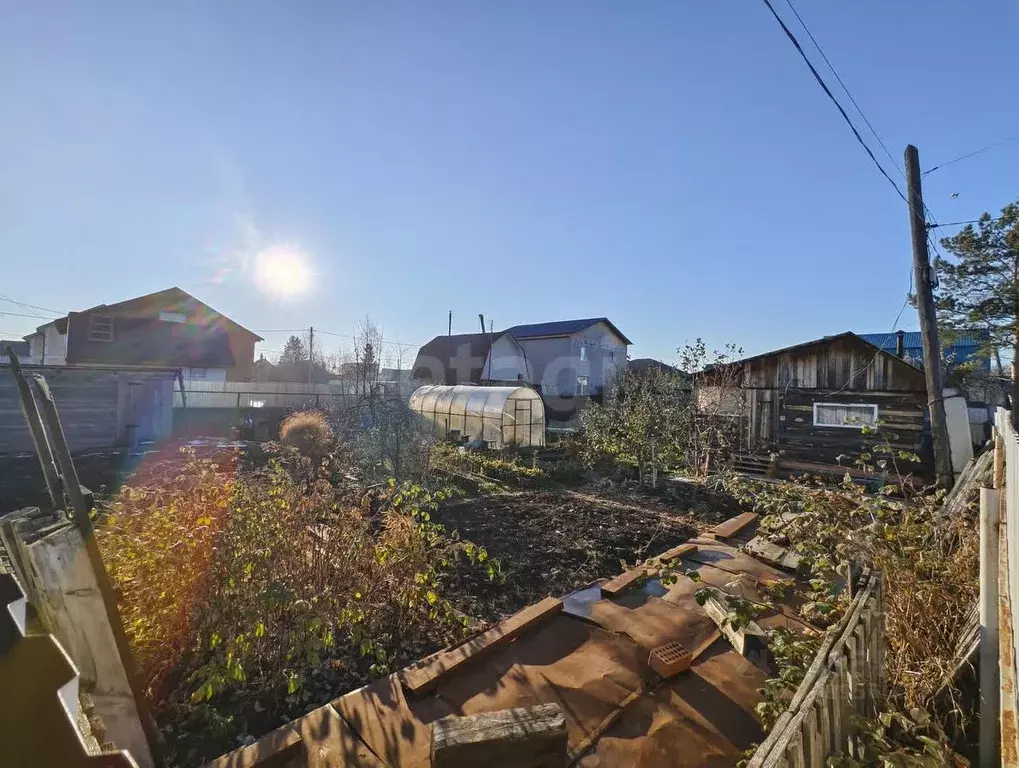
<point>507,468</point>
<point>248,598</point>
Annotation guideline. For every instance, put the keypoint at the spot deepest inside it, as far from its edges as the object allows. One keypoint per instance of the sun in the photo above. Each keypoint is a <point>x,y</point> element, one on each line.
<point>282,270</point>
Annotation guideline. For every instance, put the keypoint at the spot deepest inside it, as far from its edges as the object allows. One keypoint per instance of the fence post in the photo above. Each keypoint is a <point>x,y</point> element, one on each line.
<point>990,701</point>
<point>42,446</point>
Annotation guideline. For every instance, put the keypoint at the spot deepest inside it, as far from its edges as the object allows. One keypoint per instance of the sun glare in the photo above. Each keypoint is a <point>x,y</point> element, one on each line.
<point>282,270</point>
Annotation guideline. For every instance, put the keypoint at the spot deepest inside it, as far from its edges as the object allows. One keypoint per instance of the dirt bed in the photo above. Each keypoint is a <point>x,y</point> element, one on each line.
<point>553,542</point>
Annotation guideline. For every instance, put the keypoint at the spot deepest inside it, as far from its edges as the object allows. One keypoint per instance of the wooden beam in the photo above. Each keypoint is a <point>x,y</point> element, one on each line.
<point>529,737</point>
<point>420,680</point>
<point>772,554</point>
<point>627,579</point>
<point>732,526</point>
<point>750,641</point>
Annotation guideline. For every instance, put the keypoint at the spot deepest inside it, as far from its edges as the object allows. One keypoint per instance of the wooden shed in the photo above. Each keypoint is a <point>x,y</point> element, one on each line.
<point>808,403</point>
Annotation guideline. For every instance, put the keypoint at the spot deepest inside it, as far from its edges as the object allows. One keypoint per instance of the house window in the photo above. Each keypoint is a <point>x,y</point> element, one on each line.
<point>583,352</point>
<point>197,373</point>
<point>100,328</point>
<point>851,415</point>
<point>173,317</point>
<point>582,388</point>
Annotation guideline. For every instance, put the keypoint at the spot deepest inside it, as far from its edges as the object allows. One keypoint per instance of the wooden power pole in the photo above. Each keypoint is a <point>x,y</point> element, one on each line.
<point>928,320</point>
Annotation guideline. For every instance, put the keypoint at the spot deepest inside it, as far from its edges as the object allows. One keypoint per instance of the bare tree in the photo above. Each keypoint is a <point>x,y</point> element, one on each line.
<point>719,403</point>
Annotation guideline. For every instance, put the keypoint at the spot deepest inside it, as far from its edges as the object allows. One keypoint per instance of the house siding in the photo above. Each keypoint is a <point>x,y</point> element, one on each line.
<point>506,362</point>
<point>555,362</point>
<point>242,347</point>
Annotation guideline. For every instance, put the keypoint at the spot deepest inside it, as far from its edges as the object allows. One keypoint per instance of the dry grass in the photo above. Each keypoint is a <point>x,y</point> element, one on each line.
<point>309,432</point>
<point>930,563</point>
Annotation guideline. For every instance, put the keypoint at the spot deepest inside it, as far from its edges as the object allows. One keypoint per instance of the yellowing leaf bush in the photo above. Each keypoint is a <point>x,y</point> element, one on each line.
<point>249,597</point>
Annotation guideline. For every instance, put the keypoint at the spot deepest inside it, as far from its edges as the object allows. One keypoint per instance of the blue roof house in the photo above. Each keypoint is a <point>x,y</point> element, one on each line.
<point>962,348</point>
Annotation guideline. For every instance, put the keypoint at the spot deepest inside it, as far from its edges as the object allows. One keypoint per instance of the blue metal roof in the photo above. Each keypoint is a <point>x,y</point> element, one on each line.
<point>560,328</point>
<point>911,340</point>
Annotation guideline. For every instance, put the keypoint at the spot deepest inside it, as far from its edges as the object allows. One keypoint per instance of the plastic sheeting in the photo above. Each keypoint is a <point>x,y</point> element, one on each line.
<point>501,416</point>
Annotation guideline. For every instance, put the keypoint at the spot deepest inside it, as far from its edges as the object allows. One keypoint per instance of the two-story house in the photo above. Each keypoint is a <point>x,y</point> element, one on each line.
<point>562,360</point>
<point>166,329</point>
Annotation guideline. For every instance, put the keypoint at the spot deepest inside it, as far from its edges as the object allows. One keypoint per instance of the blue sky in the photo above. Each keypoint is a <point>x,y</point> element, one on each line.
<point>671,165</point>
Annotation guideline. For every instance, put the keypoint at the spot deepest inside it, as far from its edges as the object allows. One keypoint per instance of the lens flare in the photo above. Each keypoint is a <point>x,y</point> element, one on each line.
<point>282,270</point>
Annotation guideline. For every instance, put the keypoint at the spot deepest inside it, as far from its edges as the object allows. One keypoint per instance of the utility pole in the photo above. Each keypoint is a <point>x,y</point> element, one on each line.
<point>928,320</point>
<point>311,355</point>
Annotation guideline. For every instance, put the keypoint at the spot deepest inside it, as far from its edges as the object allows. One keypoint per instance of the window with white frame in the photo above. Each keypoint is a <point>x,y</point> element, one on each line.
<point>851,415</point>
<point>583,352</point>
<point>173,317</point>
<point>197,373</point>
<point>100,328</point>
<point>582,384</point>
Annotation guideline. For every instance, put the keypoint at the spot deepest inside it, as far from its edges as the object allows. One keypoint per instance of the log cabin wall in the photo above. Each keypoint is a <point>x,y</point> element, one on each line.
<point>781,389</point>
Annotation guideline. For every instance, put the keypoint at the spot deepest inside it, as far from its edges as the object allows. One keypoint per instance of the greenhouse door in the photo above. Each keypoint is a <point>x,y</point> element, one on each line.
<point>522,415</point>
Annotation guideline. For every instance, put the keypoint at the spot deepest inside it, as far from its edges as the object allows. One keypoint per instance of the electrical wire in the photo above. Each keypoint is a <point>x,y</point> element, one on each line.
<point>859,109</point>
<point>18,314</point>
<point>970,154</point>
<point>30,306</point>
<point>827,90</point>
<point>960,223</point>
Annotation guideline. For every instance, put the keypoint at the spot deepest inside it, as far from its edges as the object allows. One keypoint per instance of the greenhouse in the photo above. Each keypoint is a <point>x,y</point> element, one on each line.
<point>500,416</point>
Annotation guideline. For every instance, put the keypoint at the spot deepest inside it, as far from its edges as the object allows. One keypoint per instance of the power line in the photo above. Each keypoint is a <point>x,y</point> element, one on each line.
<point>827,90</point>
<point>960,223</point>
<point>30,306</point>
<point>18,314</point>
<point>970,154</point>
<point>844,87</point>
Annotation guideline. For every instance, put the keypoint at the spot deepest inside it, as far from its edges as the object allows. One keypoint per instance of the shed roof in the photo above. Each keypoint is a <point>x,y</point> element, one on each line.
<point>561,328</point>
<point>644,363</point>
<point>912,340</point>
<point>827,340</point>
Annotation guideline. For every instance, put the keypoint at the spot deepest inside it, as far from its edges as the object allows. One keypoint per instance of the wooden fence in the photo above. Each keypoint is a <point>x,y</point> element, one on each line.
<point>845,679</point>
<point>100,407</point>
<point>1008,588</point>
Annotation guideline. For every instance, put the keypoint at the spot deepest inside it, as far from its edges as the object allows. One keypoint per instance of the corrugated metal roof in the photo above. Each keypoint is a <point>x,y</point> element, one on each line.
<point>561,328</point>
<point>911,340</point>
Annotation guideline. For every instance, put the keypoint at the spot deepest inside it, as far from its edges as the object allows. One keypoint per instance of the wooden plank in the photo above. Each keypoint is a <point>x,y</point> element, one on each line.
<point>328,741</point>
<point>839,713</point>
<point>678,552</point>
<point>274,749</point>
<point>732,526</point>
<point>750,641</point>
<point>529,737</point>
<point>623,581</point>
<point>627,579</point>
<point>419,680</point>
<point>773,554</point>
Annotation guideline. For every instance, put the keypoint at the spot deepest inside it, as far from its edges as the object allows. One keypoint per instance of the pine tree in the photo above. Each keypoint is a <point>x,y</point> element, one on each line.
<point>980,286</point>
<point>294,352</point>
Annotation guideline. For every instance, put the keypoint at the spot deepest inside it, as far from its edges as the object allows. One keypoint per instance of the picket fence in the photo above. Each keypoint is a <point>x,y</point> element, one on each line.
<point>845,679</point>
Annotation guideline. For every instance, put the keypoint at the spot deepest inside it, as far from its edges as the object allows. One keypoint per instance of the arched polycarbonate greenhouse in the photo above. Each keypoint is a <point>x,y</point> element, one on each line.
<point>501,416</point>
